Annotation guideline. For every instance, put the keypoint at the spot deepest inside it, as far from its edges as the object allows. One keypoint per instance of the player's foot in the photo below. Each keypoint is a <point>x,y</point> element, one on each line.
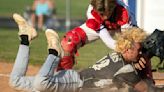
<point>54,41</point>
<point>24,27</point>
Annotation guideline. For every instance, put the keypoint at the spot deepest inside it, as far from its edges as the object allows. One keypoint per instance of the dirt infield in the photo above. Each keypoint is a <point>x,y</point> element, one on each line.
<point>5,69</point>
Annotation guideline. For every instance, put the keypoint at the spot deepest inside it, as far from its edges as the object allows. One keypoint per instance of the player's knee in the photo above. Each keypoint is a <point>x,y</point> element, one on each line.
<point>40,84</point>
<point>71,41</point>
<point>14,81</point>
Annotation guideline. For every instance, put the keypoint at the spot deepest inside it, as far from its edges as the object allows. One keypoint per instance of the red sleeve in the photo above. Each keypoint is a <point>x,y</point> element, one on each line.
<point>122,16</point>
<point>97,16</point>
<point>112,26</point>
<point>118,18</point>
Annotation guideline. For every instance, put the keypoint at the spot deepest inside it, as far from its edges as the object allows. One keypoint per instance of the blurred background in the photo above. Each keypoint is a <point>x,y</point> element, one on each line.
<point>70,13</point>
<point>149,14</point>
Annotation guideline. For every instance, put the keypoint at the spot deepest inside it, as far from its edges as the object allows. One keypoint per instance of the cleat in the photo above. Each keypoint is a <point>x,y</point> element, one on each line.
<point>54,41</point>
<point>24,27</point>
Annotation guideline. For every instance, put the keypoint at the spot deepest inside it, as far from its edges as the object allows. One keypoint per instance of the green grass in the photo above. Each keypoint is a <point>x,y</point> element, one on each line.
<point>8,7</point>
<point>89,54</point>
<point>9,45</point>
<point>78,8</point>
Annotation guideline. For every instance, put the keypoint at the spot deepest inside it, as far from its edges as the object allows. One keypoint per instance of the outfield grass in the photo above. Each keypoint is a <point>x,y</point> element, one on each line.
<point>78,8</point>
<point>89,54</point>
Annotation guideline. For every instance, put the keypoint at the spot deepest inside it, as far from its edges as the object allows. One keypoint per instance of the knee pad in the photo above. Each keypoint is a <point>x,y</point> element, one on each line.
<point>72,39</point>
<point>66,63</point>
<point>70,43</point>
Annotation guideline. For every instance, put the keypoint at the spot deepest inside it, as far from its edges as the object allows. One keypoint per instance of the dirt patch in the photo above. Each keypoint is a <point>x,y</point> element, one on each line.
<point>5,70</point>
<point>159,78</point>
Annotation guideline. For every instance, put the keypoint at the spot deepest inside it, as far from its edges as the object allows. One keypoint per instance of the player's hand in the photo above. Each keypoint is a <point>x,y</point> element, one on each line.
<point>140,64</point>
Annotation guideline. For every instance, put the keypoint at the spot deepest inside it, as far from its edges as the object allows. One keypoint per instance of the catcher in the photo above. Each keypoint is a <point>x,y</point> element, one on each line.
<point>104,18</point>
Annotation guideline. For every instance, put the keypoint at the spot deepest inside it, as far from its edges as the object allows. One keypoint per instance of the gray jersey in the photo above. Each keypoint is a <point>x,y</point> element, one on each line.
<point>102,73</point>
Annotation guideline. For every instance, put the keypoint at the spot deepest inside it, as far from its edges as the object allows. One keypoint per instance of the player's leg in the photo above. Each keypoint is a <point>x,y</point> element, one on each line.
<point>26,34</point>
<point>47,79</point>
<point>53,58</point>
<point>46,72</point>
<point>55,52</point>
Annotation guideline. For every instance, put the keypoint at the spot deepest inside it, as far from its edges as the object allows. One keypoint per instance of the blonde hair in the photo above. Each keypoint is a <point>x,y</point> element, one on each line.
<point>127,37</point>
